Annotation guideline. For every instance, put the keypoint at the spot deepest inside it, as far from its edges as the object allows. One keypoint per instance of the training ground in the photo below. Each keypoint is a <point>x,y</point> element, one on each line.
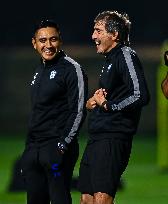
<point>143,182</point>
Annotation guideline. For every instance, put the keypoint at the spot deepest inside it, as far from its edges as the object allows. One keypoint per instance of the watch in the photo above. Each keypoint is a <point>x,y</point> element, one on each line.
<point>104,103</point>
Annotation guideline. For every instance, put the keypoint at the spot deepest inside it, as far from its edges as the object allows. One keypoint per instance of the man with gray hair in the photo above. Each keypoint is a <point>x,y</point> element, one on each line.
<point>115,110</point>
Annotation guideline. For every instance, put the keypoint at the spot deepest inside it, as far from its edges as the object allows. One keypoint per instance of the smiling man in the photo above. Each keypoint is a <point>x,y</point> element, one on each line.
<point>115,110</point>
<point>58,96</point>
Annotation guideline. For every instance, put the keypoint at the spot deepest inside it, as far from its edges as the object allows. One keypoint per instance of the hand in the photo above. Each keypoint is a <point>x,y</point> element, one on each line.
<point>91,103</point>
<point>99,91</point>
<point>99,96</point>
<point>62,147</point>
<point>166,58</point>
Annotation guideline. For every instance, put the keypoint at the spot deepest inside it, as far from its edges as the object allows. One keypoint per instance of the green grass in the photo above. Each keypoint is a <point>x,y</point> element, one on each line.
<point>144,183</point>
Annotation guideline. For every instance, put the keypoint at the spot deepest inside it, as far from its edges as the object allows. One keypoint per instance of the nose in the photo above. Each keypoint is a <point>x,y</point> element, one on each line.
<point>48,43</point>
<point>93,35</point>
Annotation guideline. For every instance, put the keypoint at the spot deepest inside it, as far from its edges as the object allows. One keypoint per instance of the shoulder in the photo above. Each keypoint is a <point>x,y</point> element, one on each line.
<point>73,69</point>
<point>127,55</point>
<point>126,51</point>
<point>72,65</point>
<point>127,58</point>
<point>71,62</point>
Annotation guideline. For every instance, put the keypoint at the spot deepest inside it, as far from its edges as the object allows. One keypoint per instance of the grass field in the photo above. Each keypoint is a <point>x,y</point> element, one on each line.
<point>144,184</point>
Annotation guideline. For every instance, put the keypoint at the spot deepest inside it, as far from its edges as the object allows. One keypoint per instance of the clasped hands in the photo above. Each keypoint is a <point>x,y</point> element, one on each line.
<point>97,99</point>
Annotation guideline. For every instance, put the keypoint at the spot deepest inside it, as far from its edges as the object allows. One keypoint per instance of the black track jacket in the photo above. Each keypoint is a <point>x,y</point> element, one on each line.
<point>123,78</point>
<point>58,96</point>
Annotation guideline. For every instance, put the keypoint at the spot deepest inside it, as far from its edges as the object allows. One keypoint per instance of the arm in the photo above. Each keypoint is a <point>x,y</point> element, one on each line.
<point>164,86</point>
<point>134,92</point>
<point>91,103</point>
<point>76,83</point>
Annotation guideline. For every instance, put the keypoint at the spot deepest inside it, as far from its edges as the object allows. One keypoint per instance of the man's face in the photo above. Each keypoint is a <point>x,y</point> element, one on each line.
<point>104,41</point>
<point>47,43</point>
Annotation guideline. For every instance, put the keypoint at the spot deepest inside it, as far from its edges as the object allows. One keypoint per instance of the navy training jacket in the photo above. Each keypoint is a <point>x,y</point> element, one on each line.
<point>123,79</point>
<point>58,96</point>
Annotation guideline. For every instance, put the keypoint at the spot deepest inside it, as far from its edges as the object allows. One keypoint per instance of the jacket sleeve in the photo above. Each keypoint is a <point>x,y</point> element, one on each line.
<point>77,89</point>
<point>135,92</point>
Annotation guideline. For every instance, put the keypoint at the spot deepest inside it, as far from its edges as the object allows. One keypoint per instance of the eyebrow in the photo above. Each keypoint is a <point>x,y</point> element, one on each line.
<point>45,37</point>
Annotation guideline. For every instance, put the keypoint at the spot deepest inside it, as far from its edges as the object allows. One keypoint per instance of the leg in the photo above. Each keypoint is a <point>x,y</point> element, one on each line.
<point>69,162</point>
<point>57,189</point>
<point>84,184</point>
<point>35,179</point>
<point>107,167</point>
<point>59,168</point>
<point>102,198</point>
<point>86,199</point>
<point>101,168</point>
<point>37,188</point>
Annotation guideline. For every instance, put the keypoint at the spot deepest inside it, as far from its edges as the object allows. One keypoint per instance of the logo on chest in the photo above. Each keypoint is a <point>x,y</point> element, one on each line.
<point>34,79</point>
<point>106,69</point>
<point>52,74</point>
<point>109,67</point>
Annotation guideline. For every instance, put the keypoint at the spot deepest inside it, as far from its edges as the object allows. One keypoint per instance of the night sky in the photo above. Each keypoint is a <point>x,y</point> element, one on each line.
<point>75,18</point>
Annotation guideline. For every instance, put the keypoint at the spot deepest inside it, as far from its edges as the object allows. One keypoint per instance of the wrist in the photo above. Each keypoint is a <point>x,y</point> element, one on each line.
<point>62,146</point>
<point>104,105</point>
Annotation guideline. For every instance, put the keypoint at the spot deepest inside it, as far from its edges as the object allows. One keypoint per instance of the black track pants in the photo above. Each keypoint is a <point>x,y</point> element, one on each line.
<point>48,173</point>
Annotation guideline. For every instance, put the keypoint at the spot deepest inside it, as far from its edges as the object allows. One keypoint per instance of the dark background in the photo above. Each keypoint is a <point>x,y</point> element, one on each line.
<point>149,19</point>
<point>75,18</point>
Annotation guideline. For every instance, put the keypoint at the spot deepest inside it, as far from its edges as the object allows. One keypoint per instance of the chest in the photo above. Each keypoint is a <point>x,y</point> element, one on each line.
<point>48,84</point>
<point>109,76</point>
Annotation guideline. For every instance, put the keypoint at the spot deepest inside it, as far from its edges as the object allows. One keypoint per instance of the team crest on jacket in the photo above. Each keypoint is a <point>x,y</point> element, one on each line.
<point>52,74</point>
<point>34,79</point>
<point>109,67</point>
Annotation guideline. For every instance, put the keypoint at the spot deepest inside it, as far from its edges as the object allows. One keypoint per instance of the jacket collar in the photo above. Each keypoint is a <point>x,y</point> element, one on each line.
<point>112,51</point>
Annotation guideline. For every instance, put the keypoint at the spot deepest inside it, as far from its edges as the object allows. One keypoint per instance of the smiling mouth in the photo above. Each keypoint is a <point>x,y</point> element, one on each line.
<point>97,43</point>
<point>48,52</point>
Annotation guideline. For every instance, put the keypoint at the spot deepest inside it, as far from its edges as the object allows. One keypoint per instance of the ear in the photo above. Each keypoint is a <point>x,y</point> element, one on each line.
<point>34,43</point>
<point>114,36</point>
